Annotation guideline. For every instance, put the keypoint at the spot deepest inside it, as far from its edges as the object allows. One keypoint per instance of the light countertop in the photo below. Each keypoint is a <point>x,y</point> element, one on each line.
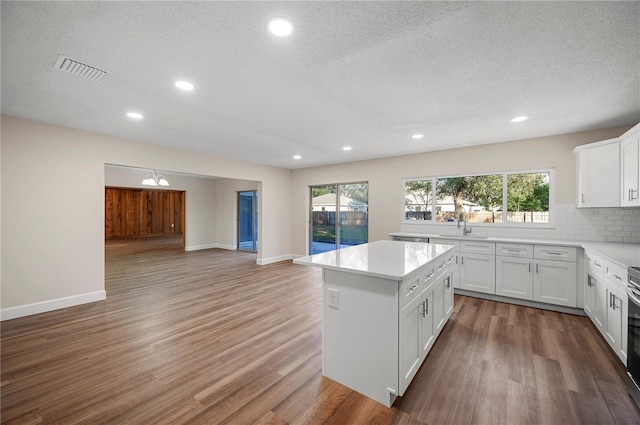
<point>625,254</point>
<point>395,260</point>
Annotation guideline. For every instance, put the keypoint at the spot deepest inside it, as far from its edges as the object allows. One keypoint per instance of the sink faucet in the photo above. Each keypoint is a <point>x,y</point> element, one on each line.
<point>466,230</point>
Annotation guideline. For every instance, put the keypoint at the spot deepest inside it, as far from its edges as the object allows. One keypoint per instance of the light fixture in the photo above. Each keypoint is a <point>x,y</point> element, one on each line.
<point>280,27</point>
<point>184,85</point>
<point>297,157</point>
<point>346,148</point>
<point>135,115</point>
<point>417,136</point>
<point>155,179</point>
<point>519,119</point>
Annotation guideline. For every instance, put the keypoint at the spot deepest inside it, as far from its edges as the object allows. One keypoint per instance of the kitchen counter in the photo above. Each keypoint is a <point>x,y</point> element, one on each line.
<point>625,254</point>
<point>383,306</point>
<point>395,260</point>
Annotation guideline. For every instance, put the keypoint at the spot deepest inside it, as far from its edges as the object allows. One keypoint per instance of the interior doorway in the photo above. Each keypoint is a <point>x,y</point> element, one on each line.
<point>248,220</point>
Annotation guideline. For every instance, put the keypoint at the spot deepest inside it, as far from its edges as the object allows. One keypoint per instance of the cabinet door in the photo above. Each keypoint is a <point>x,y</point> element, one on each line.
<point>427,324</point>
<point>438,304</point>
<point>600,318</point>
<point>448,295</point>
<point>410,334</point>
<point>630,162</point>
<point>616,311</point>
<point>599,176</point>
<point>590,294</point>
<point>478,272</point>
<point>514,277</point>
<point>555,282</point>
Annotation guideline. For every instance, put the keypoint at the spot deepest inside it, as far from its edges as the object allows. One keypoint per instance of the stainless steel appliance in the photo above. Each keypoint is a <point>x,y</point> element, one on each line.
<point>633,344</point>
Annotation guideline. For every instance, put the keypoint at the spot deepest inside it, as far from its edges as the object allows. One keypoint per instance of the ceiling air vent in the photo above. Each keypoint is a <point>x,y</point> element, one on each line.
<point>80,69</point>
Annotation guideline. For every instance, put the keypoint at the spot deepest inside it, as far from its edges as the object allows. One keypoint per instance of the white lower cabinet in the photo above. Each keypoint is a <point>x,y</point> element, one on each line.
<point>555,282</point>
<point>422,320</point>
<point>477,269</point>
<point>514,277</point>
<point>606,301</point>
<point>616,312</point>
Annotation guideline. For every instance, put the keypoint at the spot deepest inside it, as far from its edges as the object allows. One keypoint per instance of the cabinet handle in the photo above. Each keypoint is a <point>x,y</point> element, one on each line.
<point>529,267</point>
<point>456,259</point>
<point>448,283</point>
<point>462,260</point>
<point>426,307</point>
<point>631,197</point>
<point>617,277</point>
<point>536,267</point>
<point>613,301</point>
<point>422,310</point>
<point>554,253</point>
<point>582,197</point>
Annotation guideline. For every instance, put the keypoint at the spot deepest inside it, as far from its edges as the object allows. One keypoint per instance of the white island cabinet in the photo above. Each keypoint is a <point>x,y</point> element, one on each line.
<point>384,304</point>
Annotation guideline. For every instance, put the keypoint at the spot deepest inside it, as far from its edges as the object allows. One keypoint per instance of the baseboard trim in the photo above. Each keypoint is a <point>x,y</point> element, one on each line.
<point>265,261</point>
<point>518,301</point>
<point>50,305</point>
<point>210,246</point>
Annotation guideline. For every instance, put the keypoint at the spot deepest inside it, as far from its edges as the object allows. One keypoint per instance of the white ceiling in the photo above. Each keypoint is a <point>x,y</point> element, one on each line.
<point>364,74</point>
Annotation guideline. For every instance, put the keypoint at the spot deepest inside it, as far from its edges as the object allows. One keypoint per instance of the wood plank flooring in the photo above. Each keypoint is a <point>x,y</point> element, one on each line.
<point>209,337</point>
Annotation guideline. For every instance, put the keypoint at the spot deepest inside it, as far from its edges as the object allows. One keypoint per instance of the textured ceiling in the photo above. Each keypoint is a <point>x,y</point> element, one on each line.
<point>364,74</point>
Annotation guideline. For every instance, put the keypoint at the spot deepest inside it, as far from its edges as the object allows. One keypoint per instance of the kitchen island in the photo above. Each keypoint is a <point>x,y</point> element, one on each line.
<point>383,306</point>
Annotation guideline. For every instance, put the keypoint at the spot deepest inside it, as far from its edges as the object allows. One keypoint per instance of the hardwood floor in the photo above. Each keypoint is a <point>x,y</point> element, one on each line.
<point>209,337</point>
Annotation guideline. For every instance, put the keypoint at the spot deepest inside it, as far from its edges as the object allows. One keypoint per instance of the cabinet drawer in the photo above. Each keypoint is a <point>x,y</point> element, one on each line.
<point>411,288</point>
<point>514,250</point>
<point>594,263</point>
<point>615,274</point>
<point>560,253</point>
<point>478,247</point>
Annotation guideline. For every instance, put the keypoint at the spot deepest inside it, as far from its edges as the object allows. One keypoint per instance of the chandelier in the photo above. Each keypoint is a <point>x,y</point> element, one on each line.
<point>155,179</point>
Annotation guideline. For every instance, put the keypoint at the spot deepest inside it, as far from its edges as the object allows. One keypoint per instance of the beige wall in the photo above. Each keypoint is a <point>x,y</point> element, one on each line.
<point>53,182</point>
<point>385,176</point>
<point>227,202</point>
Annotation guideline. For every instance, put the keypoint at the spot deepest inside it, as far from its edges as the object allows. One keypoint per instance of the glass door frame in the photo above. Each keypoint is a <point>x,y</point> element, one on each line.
<point>254,220</point>
<point>338,216</point>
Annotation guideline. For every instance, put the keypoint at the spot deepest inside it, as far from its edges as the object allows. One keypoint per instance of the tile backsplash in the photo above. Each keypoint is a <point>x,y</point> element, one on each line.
<point>584,224</point>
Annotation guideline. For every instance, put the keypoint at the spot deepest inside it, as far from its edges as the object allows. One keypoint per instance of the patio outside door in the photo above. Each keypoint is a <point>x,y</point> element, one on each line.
<point>248,220</point>
<point>339,216</point>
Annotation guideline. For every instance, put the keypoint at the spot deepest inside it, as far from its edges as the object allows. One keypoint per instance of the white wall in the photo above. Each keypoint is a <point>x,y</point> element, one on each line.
<point>53,182</point>
<point>385,179</point>
<point>200,201</point>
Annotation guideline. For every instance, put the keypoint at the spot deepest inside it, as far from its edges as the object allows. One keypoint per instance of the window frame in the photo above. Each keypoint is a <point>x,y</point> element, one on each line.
<point>505,174</point>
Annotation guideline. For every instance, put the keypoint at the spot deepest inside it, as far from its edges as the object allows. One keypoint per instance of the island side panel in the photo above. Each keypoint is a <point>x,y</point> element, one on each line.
<point>360,336</point>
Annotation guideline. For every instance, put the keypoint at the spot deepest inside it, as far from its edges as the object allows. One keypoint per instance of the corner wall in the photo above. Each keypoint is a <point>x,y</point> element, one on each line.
<point>53,182</point>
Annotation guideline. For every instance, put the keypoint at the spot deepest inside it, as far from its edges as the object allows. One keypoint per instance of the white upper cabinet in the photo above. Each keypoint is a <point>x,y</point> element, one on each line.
<point>630,163</point>
<point>599,174</point>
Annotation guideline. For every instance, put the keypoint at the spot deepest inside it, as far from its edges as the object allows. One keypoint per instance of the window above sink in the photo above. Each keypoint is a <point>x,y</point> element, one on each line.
<point>507,198</point>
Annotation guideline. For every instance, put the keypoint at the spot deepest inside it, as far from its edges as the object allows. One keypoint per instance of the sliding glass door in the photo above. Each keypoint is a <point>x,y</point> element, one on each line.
<point>248,220</point>
<point>339,216</point>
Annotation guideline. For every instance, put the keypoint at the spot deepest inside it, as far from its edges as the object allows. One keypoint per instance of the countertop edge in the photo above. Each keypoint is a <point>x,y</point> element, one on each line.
<point>599,247</point>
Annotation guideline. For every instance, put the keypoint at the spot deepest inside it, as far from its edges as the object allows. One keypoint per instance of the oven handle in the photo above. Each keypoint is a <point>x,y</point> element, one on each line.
<point>633,295</point>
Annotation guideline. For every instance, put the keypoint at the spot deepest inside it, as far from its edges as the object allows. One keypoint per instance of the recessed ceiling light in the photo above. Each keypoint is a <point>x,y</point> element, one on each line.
<point>184,85</point>
<point>297,157</point>
<point>135,115</point>
<point>417,136</point>
<point>346,148</point>
<point>519,119</point>
<point>280,27</point>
